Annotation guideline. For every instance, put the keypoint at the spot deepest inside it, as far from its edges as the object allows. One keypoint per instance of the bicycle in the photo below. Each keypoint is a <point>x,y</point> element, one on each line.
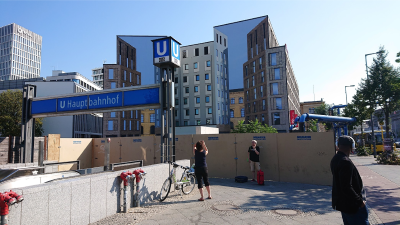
<point>186,183</point>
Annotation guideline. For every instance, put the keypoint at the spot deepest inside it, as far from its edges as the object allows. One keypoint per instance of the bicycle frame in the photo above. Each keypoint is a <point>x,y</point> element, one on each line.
<point>173,175</point>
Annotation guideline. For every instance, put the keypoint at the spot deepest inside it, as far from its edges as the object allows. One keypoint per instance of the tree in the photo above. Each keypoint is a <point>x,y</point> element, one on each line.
<point>382,87</point>
<point>253,127</point>
<point>11,114</point>
<point>324,109</point>
<point>398,57</point>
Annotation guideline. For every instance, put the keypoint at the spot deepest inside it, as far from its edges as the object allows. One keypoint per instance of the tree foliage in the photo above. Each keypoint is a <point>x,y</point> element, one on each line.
<point>324,109</point>
<point>382,87</point>
<point>253,127</point>
<point>398,57</point>
<point>11,114</point>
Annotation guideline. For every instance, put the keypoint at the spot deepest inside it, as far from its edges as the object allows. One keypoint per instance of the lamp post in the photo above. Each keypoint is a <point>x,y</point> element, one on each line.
<point>345,91</point>
<point>372,121</point>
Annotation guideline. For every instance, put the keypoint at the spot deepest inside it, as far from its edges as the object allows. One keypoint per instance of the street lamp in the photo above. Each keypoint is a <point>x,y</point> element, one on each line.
<point>372,122</point>
<point>345,91</point>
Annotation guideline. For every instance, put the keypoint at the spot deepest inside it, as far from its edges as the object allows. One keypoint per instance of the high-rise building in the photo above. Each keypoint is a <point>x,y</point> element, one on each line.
<point>20,53</point>
<point>122,74</point>
<point>270,86</point>
<point>201,84</point>
<point>98,76</point>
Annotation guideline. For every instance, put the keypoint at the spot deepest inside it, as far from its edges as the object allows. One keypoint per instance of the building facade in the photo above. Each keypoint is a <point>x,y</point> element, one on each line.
<point>20,53</point>
<point>122,74</point>
<point>202,85</point>
<point>98,76</point>
<point>148,119</point>
<point>270,86</point>
<point>84,84</point>
<point>236,112</point>
<point>309,107</point>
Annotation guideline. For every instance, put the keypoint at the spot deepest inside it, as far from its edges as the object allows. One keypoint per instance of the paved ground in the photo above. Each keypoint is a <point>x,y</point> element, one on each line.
<point>382,183</point>
<point>246,203</point>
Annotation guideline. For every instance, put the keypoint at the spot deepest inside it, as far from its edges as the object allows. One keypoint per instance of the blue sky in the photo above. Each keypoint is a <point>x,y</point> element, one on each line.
<point>327,40</point>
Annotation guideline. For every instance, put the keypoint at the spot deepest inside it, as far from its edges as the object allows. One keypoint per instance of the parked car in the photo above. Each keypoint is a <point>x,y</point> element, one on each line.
<point>397,142</point>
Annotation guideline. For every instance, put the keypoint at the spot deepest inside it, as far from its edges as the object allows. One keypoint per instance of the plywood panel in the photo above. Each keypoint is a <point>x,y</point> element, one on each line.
<point>184,148</point>
<point>98,151</point>
<point>221,156</point>
<point>75,149</point>
<point>305,157</point>
<point>138,148</point>
<point>53,147</point>
<point>268,154</point>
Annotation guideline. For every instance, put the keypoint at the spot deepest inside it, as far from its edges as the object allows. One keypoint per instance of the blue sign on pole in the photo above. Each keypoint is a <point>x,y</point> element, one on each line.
<point>142,97</point>
<point>176,58</point>
<point>44,106</point>
<point>105,100</point>
<point>161,50</point>
<point>72,103</point>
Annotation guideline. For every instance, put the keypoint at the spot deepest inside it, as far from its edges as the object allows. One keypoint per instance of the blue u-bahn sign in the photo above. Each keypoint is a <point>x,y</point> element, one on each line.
<point>130,98</point>
<point>166,51</point>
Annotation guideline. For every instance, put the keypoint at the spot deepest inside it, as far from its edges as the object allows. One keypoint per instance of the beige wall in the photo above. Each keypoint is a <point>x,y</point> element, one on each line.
<point>284,157</point>
<point>75,149</point>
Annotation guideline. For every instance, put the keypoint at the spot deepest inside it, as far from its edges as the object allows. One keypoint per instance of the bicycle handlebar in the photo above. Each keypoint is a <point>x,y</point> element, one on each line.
<point>183,167</point>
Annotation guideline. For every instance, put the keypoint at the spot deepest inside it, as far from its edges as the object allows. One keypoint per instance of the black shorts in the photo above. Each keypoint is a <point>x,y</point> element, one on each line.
<point>201,174</point>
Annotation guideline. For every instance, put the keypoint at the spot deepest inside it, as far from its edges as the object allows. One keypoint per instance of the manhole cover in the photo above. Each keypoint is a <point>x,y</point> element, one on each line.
<point>224,207</point>
<point>286,212</point>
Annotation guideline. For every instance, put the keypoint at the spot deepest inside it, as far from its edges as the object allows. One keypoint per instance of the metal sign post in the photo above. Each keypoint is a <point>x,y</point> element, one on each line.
<point>27,124</point>
<point>166,56</point>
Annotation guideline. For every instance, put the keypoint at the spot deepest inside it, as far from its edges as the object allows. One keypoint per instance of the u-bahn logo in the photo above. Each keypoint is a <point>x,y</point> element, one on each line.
<point>166,50</point>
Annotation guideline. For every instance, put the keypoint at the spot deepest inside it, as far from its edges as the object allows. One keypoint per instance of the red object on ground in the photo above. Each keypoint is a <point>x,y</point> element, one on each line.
<point>7,199</point>
<point>137,172</point>
<point>260,177</point>
<point>124,176</point>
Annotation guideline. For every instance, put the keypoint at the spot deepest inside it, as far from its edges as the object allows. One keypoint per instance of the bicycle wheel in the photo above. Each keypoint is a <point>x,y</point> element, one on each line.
<point>188,186</point>
<point>165,189</point>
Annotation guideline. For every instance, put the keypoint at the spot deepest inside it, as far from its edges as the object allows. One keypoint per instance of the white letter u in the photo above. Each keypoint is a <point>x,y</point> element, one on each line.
<point>175,49</point>
<point>61,104</point>
<point>164,48</point>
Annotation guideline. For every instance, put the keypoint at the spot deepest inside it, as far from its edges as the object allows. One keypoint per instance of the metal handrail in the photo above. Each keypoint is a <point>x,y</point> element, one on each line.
<point>67,162</point>
<point>112,165</point>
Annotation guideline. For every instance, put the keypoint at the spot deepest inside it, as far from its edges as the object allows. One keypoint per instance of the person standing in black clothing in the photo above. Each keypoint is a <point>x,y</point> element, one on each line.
<point>254,153</point>
<point>200,152</point>
<point>348,195</point>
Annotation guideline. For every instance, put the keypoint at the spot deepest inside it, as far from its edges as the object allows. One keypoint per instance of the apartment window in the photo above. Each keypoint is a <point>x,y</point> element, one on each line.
<point>196,52</point>
<point>245,70</point>
<point>152,118</point>
<point>260,65</point>
<point>218,67</point>
<point>263,104</point>
<point>124,74</point>
<point>187,112</point>
<point>196,88</point>
<point>254,107</point>
<point>247,95</point>
<point>184,54</point>
<point>277,73</point>
<point>123,114</point>
<point>208,87</point>
<point>208,121</point>
<point>195,65</point>
<point>130,124</point>
<point>242,112</point>
<point>253,81</point>
<point>185,101</point>
<point>261,91</point>
<point>110,73</point>
<point>184,79</point>
<point>186,66</point>
<point>232,101</point>
<point>276,119</point>
<point>196,111</point>
<point>208,63</point>
<point>209,110</point>
<point>217,80</point>
<point>273,59</point>
<point>275,90</point>
<point>218,106</point>
<point>197,99</point>
<point>130,77</point>
<point>240,100</point>
<point>176,79</point>
<point>112,114</point>
<point>142,118</point>
<point>206,50</point>
<point>185,123</point>
<point>137,79</point>
<point>207,76</point>
<point>221,69</point>
<point>311,110</point>
<point>262,118</point>
<point>278,102</point>
<point>198,122</point>
<point>220,39</point>
<point>132,64</point>
<point>232,113</point>
<point>225,42</point>
<point>197,77</point>
<point>186,89</point>
<point>248,82</point>
<point>137,114</point>
<point>110,125</point>
<point>219,93</point>
<point>255,93</point>
<point>137,126</point>
<point>124,124</point>
<point>207,99</point>
<point>217,37</point>
<point>131,113</point>
<point>262,76</point>
<point>176,101</point>
<point>254,66</point>
<point>113,85</point>
<point>216,53</point>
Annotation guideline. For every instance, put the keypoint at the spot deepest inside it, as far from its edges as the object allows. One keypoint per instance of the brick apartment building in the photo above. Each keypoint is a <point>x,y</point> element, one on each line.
<point>122,74</point>
<point>270,86</point>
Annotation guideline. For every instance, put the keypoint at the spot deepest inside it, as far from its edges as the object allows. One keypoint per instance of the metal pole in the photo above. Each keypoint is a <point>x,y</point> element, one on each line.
<point>162,113</point>
<point>107,155</point>
<point>41,153</point>
<point>125,196</point>
<point>345,91</point>
<point>168,112</point>
<point>372,122</point>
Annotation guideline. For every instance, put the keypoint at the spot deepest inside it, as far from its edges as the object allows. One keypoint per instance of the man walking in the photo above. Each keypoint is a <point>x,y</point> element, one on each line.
<point>254,152</point>
<point>348,194</point>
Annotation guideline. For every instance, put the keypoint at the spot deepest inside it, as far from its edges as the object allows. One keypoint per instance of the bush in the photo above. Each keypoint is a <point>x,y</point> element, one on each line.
<point>388,158</point>
<point>363,151</point>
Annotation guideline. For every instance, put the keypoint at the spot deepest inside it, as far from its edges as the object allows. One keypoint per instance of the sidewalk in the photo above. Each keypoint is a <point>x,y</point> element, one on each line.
<point>241,203</point>
<point>382,183</point>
